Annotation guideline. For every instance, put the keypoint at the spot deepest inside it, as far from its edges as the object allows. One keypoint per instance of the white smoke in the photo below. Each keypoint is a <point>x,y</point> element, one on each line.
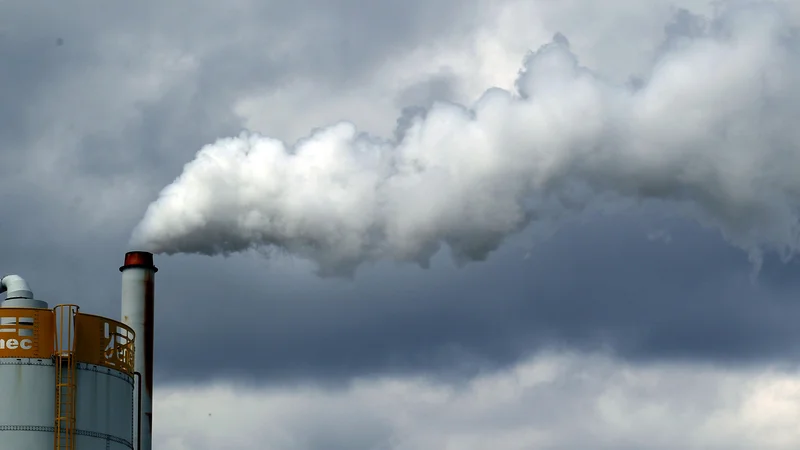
<point>712,129</point>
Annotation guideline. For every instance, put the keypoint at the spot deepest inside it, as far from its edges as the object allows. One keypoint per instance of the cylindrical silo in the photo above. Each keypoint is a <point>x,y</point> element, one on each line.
<point>27,370</point>
<point>103,383</point>
<point>67,378</point>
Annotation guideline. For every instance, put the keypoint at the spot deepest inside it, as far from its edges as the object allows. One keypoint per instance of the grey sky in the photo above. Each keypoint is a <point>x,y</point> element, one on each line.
<point>102,105</point>
<point>600,283</point>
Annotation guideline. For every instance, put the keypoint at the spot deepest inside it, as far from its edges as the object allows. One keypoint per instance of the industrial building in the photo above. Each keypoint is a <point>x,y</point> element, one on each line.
<point>76,381</point>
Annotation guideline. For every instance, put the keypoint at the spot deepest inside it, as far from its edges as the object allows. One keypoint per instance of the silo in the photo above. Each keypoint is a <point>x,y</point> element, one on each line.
<point>67,378</point>
<point>27,369</point>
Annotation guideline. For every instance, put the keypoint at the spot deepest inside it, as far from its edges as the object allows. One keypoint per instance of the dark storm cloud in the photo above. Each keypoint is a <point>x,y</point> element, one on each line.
<point>51,57</point>
<point>440,87</point>
<point>414,101</point>
<point>237,51</point>
<point>75,107</point>
<point>597,286</point>
<point>65,67</point>
<point>29,62</point>
<point>600,283</point>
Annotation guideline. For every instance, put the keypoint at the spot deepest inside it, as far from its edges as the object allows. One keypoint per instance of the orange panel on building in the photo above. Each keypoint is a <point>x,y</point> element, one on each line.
<point>26,333</point>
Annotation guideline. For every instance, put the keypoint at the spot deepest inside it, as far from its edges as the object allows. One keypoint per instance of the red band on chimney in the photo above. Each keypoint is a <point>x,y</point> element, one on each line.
<point>142,260</point>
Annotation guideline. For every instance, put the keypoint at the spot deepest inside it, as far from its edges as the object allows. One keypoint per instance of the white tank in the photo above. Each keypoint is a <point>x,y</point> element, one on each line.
<point>104,408</point>
<point>93,356</point>
<point>26,390</point>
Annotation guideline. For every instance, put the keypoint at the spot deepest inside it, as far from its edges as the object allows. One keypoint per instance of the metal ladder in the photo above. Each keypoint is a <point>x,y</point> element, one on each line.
<point>64,355</point>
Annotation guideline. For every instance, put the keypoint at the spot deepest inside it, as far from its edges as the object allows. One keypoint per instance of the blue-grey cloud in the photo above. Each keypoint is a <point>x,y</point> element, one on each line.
<point>94,124</point>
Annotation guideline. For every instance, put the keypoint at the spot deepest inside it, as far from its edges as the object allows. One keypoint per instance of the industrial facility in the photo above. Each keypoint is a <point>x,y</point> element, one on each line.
<point>77,381</point>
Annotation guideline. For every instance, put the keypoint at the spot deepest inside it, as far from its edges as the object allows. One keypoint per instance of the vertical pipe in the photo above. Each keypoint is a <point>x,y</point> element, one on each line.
<point>138,294</point>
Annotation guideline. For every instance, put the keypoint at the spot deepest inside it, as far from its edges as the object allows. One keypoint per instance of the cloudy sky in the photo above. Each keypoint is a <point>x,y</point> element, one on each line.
<point>631,329</point>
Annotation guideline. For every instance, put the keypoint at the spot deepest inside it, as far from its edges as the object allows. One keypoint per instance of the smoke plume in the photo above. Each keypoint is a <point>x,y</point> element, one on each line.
<point>711,129</point>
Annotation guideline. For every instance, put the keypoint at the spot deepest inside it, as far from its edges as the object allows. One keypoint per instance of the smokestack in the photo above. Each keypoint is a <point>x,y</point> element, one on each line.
<point>138,288</point>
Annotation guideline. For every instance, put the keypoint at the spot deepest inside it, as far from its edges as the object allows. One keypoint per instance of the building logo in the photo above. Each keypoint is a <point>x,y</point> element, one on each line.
<point>14,344</point>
